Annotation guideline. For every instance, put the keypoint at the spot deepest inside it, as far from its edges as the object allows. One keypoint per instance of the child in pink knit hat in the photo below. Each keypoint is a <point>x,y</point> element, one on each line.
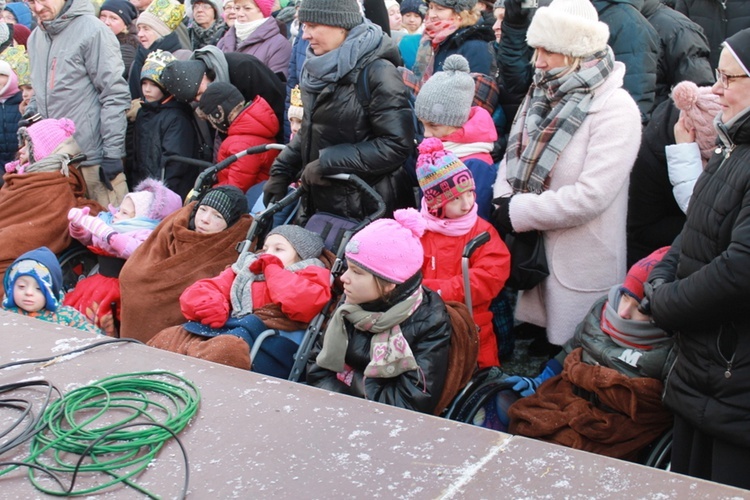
<point>389,340</point>
<point>45,146</point>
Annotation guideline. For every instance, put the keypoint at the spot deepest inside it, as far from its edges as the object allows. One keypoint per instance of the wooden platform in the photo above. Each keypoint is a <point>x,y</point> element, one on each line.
<point>259,437</point>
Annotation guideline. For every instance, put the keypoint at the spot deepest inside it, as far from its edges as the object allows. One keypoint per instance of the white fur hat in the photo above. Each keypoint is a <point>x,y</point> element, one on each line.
<point>569,27</point>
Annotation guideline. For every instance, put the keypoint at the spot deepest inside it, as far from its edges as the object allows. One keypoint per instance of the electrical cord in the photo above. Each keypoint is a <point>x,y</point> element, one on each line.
<point>74,351</point>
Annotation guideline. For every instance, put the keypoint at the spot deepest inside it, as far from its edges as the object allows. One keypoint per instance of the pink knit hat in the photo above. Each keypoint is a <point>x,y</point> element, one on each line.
<point>47,135</point>
<point>388,248</point>
<point>265,6</point>
<point>699,106</point>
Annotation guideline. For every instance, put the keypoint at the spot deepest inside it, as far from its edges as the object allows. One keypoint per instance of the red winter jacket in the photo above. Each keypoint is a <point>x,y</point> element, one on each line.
<point>489,268</point>
<point>256,124</point>
<point>301,294</point>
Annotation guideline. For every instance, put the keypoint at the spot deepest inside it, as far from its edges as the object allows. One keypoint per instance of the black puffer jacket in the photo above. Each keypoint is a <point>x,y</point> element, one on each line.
<point>684,49</point>
<point>347,139</point>
<point>428,333</point>
<point>719,19</point>
<point>706,295</point>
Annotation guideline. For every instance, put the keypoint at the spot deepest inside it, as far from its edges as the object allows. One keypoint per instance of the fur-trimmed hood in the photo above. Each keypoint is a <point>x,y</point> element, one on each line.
<point>165,201</point>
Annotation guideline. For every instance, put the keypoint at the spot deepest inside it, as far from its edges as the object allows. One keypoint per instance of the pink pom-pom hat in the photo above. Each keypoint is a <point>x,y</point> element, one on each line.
<point>699,106</point>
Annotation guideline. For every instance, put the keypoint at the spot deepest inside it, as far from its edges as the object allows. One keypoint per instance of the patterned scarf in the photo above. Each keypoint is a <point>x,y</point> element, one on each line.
<point>200,37</point>
<point>556,105</point>
<point>390,354</point>
<point>435,33</point>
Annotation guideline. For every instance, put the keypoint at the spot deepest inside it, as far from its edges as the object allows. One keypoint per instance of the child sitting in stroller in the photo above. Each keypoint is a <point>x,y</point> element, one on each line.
<point>283,287</point>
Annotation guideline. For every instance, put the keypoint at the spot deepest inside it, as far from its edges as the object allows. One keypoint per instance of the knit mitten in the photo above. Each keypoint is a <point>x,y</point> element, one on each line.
<point>76,214</point>
<point>97,227</point>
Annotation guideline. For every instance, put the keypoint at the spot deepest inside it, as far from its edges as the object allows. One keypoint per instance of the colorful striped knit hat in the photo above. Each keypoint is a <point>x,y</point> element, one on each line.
<point>442,176</point>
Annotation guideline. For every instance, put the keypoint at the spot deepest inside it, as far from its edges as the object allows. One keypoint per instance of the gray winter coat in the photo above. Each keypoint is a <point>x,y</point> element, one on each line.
<point>76,72</point>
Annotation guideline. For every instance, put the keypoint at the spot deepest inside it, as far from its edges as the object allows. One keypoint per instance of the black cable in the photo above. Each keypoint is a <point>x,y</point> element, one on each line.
<point>74,351</point>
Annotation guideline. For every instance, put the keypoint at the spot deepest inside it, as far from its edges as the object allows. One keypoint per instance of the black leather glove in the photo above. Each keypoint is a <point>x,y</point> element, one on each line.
<point>275,189</point>
<point>501,215</point>
<point>313,174</point>
<point>515,15</point>
<point>648,292</point>
<point>108,170</point>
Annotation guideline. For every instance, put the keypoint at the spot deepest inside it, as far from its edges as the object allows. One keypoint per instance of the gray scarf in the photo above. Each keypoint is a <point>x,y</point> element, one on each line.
<point>320,71</point>
<point>628,333</point>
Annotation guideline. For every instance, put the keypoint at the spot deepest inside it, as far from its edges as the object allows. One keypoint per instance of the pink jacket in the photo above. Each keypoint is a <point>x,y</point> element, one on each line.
<point>475,139</point>
<point>266,43</point>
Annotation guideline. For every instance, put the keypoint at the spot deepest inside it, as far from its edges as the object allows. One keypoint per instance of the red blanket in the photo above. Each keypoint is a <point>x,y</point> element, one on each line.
<point>172,258</point>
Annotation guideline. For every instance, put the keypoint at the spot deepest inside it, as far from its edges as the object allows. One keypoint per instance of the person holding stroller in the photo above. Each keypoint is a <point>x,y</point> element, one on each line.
<point>339,134</point>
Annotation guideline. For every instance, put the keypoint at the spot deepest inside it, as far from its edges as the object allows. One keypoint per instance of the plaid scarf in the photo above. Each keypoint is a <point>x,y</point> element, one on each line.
<point>435,33</point>
<point>556,105</point>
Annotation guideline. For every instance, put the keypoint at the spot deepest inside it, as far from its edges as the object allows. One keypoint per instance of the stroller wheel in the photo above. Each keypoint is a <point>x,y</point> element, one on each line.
<point>76,263</point>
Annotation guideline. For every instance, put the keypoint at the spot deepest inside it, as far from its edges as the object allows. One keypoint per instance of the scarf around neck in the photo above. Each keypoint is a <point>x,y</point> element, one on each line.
<point>628,333</point>
<point>449,227</point>
<point>244,30</point>
<point>555,107</point>
<point>433,35</point>
<point>320,71</point>
<point>390,353</point>
<point>206,36</point>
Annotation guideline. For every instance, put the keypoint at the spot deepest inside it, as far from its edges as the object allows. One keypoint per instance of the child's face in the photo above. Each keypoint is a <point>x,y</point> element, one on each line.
<point>151,91</point>
<point>27,92</point>
<point>411,21</point>
<point>23,153</point>
<point>360,285</point>
<point>280,247</point>
<point>208,220</point>
<point>28,295</point>
<point>458,207</point>
<point>295,124</point>
<point>126,210</point>
<point>436,130</point>
<point>628,309</point>
<point>394,16</point>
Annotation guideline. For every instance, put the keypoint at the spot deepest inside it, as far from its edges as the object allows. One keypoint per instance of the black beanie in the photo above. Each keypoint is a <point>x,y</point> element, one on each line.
<point>218,102</point>
<point>183,78</point>
<point>228,200</point>
<point>739,45</point>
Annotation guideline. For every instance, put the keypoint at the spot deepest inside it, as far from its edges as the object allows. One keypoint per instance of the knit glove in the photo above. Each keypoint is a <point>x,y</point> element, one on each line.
<point>528,386</point>
<point>275,189</point>
<point>263,260</point>
<point>313,174</point>
<point>75,215</point>
<point>648,292</point>
<point>515,15</point>
<point>213,314</point>
<point>97,227</point>
<point>501,215</point>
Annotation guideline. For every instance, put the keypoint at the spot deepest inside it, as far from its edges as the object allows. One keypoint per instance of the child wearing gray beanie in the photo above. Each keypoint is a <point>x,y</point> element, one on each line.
<point>444,105</point>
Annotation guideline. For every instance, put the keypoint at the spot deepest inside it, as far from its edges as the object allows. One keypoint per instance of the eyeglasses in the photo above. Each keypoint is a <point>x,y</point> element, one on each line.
<point>724,79</point>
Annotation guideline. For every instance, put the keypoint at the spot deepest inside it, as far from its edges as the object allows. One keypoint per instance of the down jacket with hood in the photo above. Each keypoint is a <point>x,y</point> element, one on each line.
<point>704,298</point>
<point>348,139</point>
<point>76,72</point>
<point>427,332</point>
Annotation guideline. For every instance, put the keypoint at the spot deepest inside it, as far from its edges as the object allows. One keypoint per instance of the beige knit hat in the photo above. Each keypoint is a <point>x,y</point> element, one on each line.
<point>569,27</point>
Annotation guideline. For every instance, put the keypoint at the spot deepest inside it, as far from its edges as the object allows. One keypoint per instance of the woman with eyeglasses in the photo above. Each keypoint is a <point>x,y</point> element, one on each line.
<point>700,292</point>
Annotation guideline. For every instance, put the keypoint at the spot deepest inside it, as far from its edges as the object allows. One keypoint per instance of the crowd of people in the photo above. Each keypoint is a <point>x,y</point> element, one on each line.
<point>612,134</point>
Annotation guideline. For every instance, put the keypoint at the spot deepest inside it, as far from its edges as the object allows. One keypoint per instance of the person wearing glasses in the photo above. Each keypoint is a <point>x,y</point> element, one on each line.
<point>700,290</point>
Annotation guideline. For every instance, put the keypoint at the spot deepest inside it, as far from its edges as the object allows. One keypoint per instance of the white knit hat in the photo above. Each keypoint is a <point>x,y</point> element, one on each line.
<point>569,27</point>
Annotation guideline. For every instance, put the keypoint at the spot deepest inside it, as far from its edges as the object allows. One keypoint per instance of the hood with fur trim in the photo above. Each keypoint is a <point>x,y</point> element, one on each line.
<point>165,201</point>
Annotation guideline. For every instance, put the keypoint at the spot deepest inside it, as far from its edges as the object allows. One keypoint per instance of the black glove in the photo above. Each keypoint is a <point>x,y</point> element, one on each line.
<point>501,215</point>
<point>313,174</point>
<point>275,189</point>
<point>108,170</point>
<point>648,292</point>
<point>515,15</point>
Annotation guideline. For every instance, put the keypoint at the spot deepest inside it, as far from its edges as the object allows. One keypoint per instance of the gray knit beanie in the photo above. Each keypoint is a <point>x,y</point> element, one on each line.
<point>341,13</point>
<point>307,244</point>
<point>456,5</point>
<point>446,98</point>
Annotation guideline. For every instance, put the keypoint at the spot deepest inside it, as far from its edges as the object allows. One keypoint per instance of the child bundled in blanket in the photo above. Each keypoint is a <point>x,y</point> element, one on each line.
<point>282,287</point>
<point>33,287</point>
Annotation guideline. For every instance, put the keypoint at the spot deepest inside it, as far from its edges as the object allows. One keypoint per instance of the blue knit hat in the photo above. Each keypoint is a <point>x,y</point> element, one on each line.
<point>43,266</point>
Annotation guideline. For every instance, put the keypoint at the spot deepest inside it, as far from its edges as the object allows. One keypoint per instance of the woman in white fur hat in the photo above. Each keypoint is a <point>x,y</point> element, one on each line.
<point>567,165</point>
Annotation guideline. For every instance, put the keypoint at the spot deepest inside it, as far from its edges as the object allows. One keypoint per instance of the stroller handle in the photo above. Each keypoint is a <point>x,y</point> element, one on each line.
<point>475,243</point>
<point>366,190</point>
<point>469,249</point>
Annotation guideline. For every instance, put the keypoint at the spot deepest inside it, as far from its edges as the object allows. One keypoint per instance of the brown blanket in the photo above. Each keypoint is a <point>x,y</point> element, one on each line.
<point>172,258</point>
<point>627,417</point>
<point>34,212</point>
<point>224,349</point>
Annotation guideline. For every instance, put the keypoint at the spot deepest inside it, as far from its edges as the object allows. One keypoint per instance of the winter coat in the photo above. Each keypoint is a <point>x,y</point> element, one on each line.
<point>654,218</point>
<point>684,53</point>
<point>719,20</point>
<point>164,129</point>
<point>704,299</point>
<point>470,42</point>
<point>635,44</point>
<point>472,144</point>
<point>255,125</point>
<point>489,267</point>
<point>427,331</point>
<point>582,213</point>
<point>76,72</point>
<point>515,71</point>
<point>129,46</point>
<point>169,43</point>
<point>346,138</point>
<point>300,294</point>
<point>9,118</point>
<point>266,43</point>
<point>298,56</point>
